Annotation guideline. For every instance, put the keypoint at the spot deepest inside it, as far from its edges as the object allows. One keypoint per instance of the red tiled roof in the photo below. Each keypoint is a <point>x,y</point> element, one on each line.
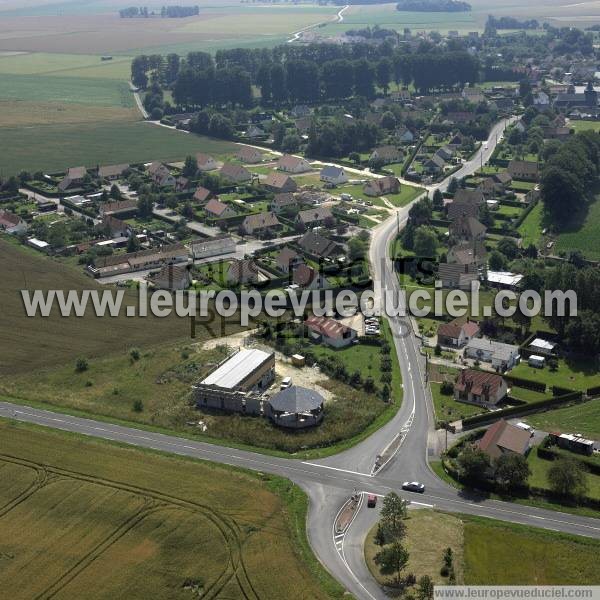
<point>326,326</point>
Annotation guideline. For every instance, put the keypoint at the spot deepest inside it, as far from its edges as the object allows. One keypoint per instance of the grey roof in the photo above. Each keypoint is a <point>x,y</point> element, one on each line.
<point>296,399</point>
<point>233,371</point>
<point>499,350</point>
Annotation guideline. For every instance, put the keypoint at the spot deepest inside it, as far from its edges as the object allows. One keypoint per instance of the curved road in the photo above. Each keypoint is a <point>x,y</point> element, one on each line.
<point>329,482</point>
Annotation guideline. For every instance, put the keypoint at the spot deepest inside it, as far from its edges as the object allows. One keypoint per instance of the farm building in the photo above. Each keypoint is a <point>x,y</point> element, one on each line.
<point>236,384</point>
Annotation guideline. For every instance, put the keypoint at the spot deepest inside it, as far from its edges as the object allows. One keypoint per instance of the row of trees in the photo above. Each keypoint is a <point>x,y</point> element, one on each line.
<point>198,80</point>
<point>510,472</point>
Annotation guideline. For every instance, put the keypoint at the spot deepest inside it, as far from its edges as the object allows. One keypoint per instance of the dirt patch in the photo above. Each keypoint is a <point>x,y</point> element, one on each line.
<point>309,377</point>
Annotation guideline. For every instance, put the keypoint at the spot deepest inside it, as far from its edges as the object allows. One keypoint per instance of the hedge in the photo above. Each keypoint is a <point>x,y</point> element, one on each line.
<point>528,384</point>
<point>551,454</point>
<point>517,411</point>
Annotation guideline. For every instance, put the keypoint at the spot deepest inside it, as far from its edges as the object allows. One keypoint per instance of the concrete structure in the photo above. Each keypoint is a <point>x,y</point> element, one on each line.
<point>536,361</point>
<point>236,384</point>
<point>573,442</point>
<point>208,247</point>
<point>117,264</point>
<point>501,356</point>
<point>295,408</point>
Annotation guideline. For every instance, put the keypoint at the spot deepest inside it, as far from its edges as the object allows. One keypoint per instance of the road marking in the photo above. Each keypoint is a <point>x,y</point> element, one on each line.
<point>336,469</point>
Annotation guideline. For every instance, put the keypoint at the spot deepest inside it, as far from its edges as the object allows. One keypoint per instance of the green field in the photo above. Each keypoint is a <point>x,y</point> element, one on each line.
<point>82,518</point>
<point>543,557</point>
<point>75,90</point>
<point>586,237</point>
<point>65,65</point>
<point>585,125</point>
<point>28,344</point>
<point>54,148</point>
<point>579,418</point>
<point>484,552</point>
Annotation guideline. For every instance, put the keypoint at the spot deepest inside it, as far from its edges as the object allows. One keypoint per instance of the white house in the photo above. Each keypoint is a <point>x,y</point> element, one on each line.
<point>293,164</point>
<point>206,162</point>
<point>501,356</point>
<point>335,175</point>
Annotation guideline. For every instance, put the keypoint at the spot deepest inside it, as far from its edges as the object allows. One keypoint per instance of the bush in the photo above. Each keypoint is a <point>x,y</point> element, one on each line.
<point>81,365</point>
<point>447,388</point>
<point>135,354</point>
<point>138,406</point>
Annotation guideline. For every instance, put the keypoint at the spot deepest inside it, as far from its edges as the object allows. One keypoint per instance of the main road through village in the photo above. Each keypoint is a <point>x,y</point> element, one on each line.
<point>331,481</point>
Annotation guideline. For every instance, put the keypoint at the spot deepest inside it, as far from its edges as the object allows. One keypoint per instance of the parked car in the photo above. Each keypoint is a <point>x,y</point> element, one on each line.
<point>371,501</point>
<point>286,382</point>
<point>413,486</point>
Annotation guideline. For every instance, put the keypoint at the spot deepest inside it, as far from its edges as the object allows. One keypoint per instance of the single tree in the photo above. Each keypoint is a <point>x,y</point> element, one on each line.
<point>391,560</point>
<point>511,471</point>
<point>567,477</point>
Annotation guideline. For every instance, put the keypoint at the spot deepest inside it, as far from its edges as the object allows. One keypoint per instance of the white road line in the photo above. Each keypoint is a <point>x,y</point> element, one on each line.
<point>336,469</point>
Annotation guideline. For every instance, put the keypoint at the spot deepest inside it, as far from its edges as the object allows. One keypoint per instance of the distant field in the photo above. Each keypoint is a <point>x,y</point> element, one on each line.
<point>42,88</point>
<point>85,519</point>
<point>62,29</point>
<point>56,147</point>
<point>46,99</point>
<point>585,238</point>
<point>65,65</point>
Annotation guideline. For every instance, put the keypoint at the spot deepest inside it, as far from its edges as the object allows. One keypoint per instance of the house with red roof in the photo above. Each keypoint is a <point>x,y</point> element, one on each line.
<point>479,387</point>
<point>504,438</point>
<point>329,331</point>
<point>457,333</point>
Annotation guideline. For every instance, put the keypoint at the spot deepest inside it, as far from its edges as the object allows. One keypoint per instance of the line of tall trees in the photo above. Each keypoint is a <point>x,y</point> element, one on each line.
<point>308,75</point>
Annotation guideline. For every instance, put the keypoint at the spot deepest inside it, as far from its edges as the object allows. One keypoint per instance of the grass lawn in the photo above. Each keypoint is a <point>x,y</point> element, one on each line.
<point>428,534</point>
<point>580,418</point>
<point>484,551</point>
<point>357,357</point>
<point>584,125</point>
<point>539,474</point>
<point>584,237</point>
<point>531,227</point>
<point>56,147</point>
<point>571,375</point>
<point>407,194</point>
<point>120,522</point>
<point>448,409</point>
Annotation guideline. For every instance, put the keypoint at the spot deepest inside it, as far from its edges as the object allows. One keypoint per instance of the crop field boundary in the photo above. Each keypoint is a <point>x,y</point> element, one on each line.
<point>152,502</point>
